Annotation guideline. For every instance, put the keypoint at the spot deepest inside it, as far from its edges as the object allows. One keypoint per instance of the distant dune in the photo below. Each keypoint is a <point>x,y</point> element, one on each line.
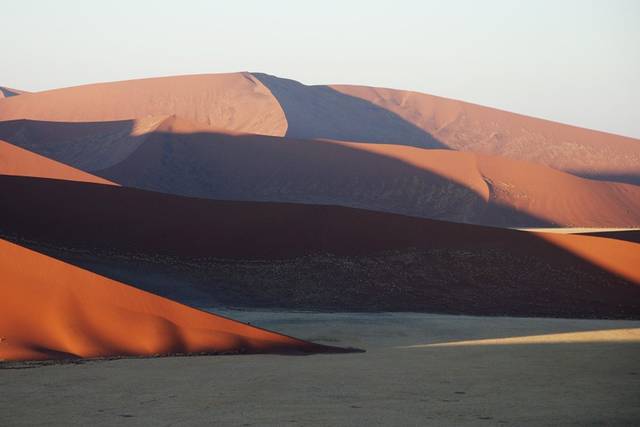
<point>469,127</point>
<point>17,161</point>
<point>235,101</point>
<point>53,310</point>
<point>439,184</point>
<point>348,258</point>
<point>263,104</point>
<point>255,190</point>
<point>173,155</point>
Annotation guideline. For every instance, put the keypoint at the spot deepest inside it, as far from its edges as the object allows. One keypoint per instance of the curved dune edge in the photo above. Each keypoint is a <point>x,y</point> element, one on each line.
<point>174,155</point>
<point>440,184</point>
<point>52,310</point>
<point>232,101</point>
<point>470,127</point>
<point>628,335</point>
<point>20,162</point>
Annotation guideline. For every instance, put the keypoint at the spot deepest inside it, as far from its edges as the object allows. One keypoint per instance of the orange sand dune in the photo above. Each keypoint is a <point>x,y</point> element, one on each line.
<point>469,127</point>
<point>92,145</point>
<point>440,184</point>
<point>53,310</point>
<point>494,270</point>
<point>617,256</point>
<point>235,101</point>
<point>17,161</point>
<point>96,215</point>
<point>263,104</point>
<point>175,155</point>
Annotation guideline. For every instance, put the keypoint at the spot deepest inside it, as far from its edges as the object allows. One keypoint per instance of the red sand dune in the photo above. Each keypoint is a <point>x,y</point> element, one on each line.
<point>469,127</point>
<point>617,256</point>
<point>422,264</point>
<point>174,155</point>
<point>440,184</point>
<point>263,104</point>
<point>234,101</point>
<point>130,220</point>
<point>16,161</point>
<point>53,310</point>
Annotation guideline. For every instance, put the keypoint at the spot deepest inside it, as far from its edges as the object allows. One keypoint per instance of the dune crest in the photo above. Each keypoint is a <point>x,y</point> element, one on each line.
<point>175,155</point>
<point>53,310</point>
<point>233,101</point>
<point>259,103</point>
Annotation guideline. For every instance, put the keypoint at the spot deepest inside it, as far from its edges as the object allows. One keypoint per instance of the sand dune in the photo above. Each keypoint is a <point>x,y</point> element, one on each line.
<point>92,146</point>
<point>175,155</point>
<point>559,198</point>
<point>203,227</point>
<point>17,161</point>
<point>376,260</point>
<point>263,104</point>
<point>440,184</point>
<point>617,256</point>
<point>321,112</point>
<point>52,310</point>
<point>235,101</point>
<point>469,127</point>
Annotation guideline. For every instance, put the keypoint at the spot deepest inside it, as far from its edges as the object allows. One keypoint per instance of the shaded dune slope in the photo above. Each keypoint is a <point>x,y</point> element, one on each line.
<point>174,155</point>
<point>235,101</point>
<point>264,104</point>
<point>53,310</point>
<point>469,127</point>
<point>348,258</point>
<point>93,146</point>
<point>321,112</point>
<point>440,184</point>
<point>17,161</point>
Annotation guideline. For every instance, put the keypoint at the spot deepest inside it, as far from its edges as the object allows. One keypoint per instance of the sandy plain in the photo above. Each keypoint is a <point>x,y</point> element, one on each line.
<point>418,369</point>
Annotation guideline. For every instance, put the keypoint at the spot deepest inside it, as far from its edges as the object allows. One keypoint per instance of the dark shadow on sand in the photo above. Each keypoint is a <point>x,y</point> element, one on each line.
<point>300,256</point>
<point>320,112</point>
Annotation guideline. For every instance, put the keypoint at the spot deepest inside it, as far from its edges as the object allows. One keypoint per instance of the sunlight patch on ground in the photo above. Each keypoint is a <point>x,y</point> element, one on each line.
<point>629,335</point>
<point>574,230</point>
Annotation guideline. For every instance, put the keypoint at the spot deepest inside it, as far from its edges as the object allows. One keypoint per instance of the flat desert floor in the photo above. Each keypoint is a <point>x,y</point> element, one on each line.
<point>418,369</point>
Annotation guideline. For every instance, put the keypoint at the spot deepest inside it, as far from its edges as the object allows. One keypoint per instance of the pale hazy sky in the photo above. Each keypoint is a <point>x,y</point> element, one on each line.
<point>574,61</point>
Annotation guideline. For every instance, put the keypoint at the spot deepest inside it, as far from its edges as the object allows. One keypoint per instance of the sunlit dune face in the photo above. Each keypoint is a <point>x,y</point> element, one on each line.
<point>626,336</point>
<point>232,101</point>
<point>522,187</point>
<point>618,257</point>
<point>52,310</point>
